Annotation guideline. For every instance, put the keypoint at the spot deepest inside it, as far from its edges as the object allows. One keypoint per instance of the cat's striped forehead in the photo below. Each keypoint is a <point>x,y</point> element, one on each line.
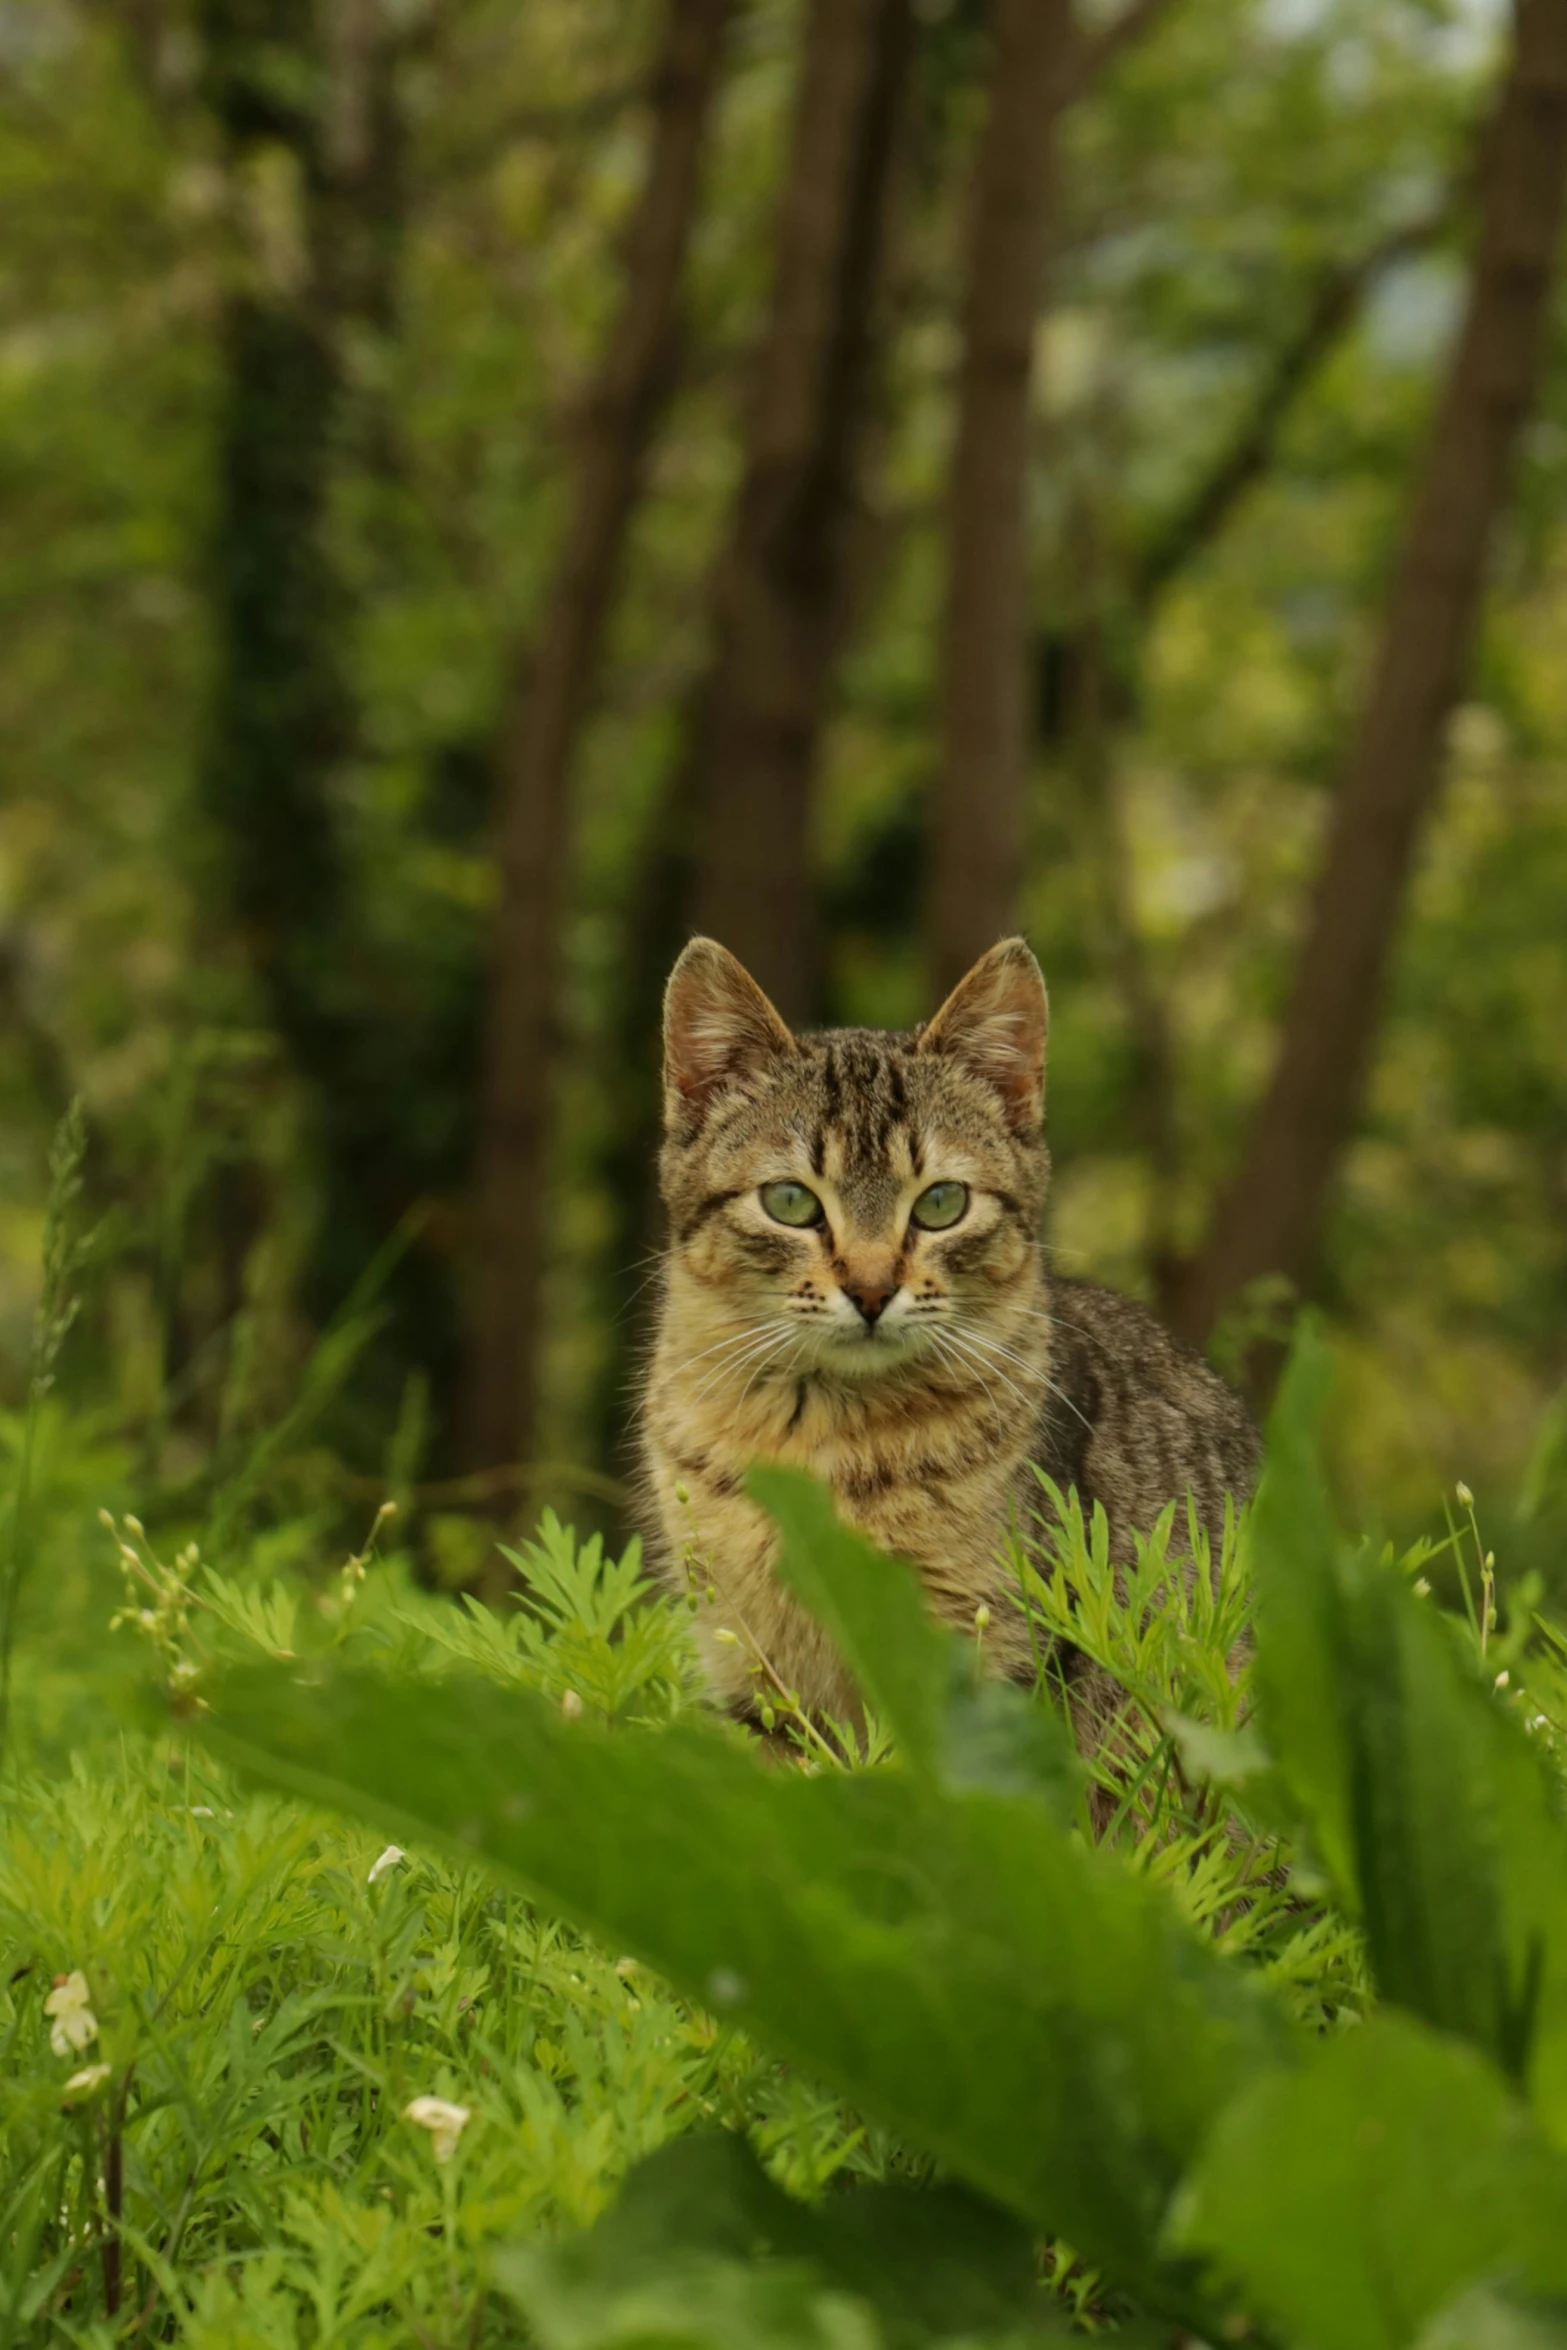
<point>867,1111</point>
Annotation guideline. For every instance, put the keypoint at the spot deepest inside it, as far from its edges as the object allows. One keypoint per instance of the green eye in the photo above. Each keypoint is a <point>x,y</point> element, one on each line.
<point>791,1203</point>
<point>942,1204</point>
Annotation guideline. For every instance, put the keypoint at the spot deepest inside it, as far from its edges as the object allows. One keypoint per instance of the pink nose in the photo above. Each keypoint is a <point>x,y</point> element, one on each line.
<point>870,1301</point>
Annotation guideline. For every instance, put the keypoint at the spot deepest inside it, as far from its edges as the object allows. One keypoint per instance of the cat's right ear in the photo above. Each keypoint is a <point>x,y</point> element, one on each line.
<point>994,1024</point>
<point>719,1030</point>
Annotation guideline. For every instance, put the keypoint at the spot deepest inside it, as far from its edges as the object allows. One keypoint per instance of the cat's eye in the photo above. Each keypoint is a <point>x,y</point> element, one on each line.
<point>791,1203</point>
<point>939,1205</point>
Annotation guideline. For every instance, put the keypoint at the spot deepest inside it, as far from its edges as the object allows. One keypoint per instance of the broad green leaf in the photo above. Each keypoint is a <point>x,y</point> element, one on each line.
<point>1354,2198</point>
<point>1423,1795</point>
<point>952,1721</point>
<point>1042,2022</point>
<point>1294,1548</point>
<point>702,2248</point>
<point>1486,2318</point>
<point>870,1603</point>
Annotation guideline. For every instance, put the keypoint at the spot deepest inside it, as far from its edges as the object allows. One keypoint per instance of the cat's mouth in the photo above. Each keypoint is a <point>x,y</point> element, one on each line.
<point>872,1347</point>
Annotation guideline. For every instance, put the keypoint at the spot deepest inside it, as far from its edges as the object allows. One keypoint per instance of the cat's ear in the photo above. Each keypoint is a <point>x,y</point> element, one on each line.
<point>719,1028</point>
<point>994,1024</point>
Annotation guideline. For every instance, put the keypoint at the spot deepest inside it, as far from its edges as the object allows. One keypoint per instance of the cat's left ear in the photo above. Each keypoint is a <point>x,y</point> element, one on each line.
<point>719,1028</point>
<point>994,1024</point>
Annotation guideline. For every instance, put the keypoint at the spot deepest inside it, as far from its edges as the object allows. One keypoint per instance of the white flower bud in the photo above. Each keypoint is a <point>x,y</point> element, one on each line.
<point>444,2121</point>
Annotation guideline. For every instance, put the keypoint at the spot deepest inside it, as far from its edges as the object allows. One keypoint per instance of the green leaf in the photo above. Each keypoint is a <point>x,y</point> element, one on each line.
<point>1424,1796</point>
<point>871,1604</point>
<point>1353,2199</point>
<point>1042,2022</point>
<point>702,2248</point>
<point>1486,2319</point>
<point>952,1721</point>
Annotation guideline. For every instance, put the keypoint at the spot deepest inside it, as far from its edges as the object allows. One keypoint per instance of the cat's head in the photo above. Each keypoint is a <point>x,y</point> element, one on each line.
<point>873,1197</point>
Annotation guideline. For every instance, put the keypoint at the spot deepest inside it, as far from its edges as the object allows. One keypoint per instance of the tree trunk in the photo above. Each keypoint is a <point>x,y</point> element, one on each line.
<point>548,705</point>
<point>977,832</point>
<point>303,93</point>
<point>1270,1214</point>
<point>279,714</point>
<point>781,582</point>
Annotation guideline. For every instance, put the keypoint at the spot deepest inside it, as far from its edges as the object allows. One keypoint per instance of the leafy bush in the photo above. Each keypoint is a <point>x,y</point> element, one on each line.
<point>876,2046</point>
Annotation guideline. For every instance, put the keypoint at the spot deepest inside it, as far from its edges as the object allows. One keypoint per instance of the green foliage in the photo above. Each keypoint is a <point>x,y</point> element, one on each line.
<point>883,2048</point>
<point>702,2249</point>
<point>1358,2196</point>
<point>64,1252</point>
<point>1042,2019</point>
<point>1435,1815</point>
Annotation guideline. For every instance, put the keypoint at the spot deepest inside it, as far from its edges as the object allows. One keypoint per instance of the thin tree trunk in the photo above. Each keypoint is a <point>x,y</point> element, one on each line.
<point>304,96</point>
<point>1271,1212</point>
<point>278,718</point>
<point>977,833</point>
<point>781,583</point>
<point>548,705</point>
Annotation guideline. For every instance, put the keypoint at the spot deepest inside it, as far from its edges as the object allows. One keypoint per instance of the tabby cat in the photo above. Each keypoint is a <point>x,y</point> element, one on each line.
<point>854,1283</point>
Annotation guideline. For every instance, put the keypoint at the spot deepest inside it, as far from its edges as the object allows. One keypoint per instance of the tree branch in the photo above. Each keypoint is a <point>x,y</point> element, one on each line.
<point>1334,305</point>
<point>1092,54</point>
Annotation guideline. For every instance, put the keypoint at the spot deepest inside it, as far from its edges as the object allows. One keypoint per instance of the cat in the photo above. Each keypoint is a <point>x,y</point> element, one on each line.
<point>854,1283</point>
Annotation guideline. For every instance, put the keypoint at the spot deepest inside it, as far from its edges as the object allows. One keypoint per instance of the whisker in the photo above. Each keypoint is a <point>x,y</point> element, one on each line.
<point>731,1338</point>
<point>974,1366</point>
<point>994,1347</point>
<point>768,1343</point>
<point>793,1342</point>
<point>979,1363</point>
<point>729,1361</point>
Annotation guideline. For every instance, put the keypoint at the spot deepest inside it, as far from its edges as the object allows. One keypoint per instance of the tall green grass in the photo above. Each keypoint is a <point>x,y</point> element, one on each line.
<point>382,1969</point>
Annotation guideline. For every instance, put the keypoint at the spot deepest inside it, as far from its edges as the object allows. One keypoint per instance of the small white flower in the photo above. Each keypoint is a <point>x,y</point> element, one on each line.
<point>571,1706</point>
<point>75,2026</point>
<point>91,2077</point>
<point>387,1860</point>
<point>1502,1679</point>
<point>1464,1494</point>
<point>1422,1588</point>
<point>202,1811</point>
<point>444,2121</point>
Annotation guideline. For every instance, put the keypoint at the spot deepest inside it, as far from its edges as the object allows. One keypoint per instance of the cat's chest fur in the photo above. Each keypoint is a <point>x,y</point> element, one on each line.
<point>927,1468</point>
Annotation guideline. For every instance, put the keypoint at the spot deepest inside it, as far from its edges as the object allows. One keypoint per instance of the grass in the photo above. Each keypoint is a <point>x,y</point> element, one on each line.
<point>268,2079</point>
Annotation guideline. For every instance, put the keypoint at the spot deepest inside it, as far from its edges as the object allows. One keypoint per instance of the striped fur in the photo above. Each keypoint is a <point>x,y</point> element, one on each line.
<point>923,1424</point>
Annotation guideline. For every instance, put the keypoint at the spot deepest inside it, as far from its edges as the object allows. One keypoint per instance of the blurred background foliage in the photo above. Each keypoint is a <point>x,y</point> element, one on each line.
<point>302,311</point>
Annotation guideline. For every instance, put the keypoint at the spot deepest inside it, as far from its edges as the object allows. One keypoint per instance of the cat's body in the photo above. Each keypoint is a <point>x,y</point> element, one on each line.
<point>918,1367</point>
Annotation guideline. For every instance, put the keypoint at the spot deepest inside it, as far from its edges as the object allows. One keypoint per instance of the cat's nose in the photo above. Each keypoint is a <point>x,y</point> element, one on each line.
<point>869,1300</point>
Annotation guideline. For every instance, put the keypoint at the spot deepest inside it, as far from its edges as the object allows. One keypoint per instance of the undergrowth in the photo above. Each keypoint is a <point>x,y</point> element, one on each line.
<point>272,2076</point>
